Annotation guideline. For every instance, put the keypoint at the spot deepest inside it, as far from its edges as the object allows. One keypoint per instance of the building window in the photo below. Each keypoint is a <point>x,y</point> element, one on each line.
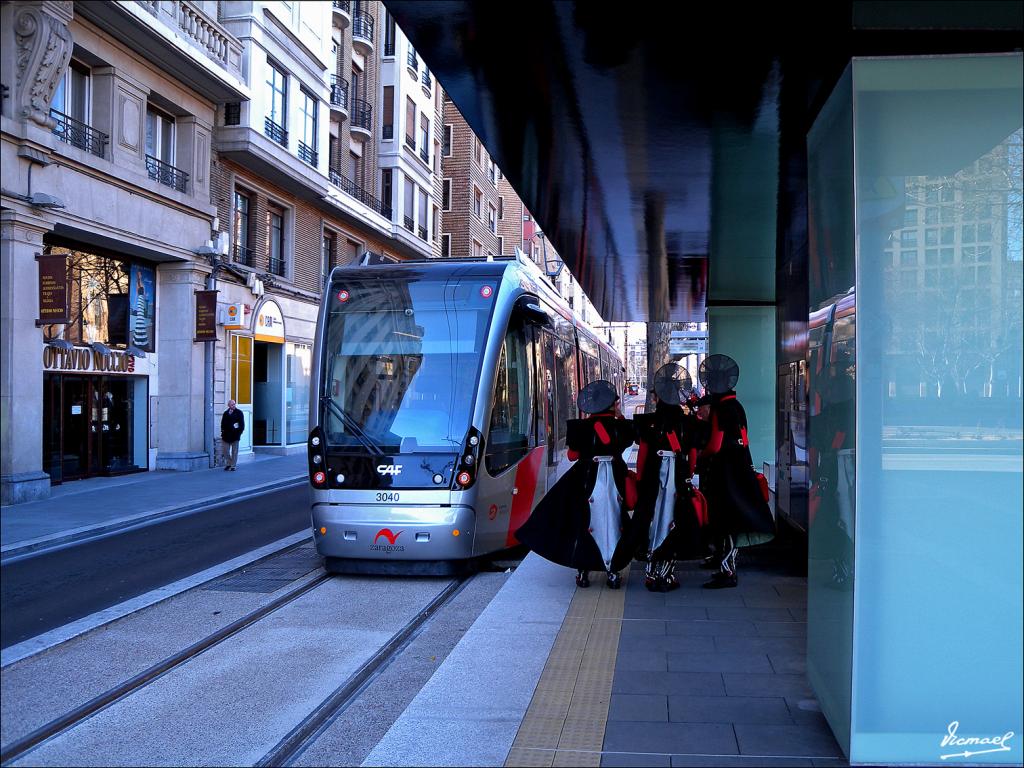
<point>422,215</point>
<point>160,135</point>
<point>490,172</point>
<point>277,105</point>
<point>436,221</point>
<point>386,191</point>
<point>478,152</point>
<point>446,245</point>
<point>240,229</point>
<point>478,203</point>
<point>330,251</point>
<point>446,195</point>
<point>424,137</point>
<point>410,204</point>
<point>501,208</point>
<point>389,112</point>
<point>410,123</point>
<point>446,146</point>
<point>492,218</point>
<point>275,239</point>
<point>71,97</point>
<point>478,250</point>
<point>389,34</point>
<point>308,109</point>
<point>353,168</point>
<point>501,244</point>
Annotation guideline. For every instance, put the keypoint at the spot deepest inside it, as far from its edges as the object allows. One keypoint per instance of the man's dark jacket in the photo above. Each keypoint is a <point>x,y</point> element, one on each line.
<point>232,425</point>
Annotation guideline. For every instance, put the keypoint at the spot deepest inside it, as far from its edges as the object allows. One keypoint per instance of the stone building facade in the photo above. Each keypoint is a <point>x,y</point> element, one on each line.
<point>154,149</point>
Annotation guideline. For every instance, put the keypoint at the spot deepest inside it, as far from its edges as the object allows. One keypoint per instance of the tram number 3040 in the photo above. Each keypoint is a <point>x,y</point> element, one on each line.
<point>386,496</point>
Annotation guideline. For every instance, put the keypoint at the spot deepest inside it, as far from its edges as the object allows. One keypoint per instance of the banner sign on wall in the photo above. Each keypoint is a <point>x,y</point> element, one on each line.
<point>206,316</point>
<point>53,289</point>
<point>142,311</point>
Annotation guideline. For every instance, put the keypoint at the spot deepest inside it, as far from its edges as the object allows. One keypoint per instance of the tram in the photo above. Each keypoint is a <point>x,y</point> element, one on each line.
<point>440,392</point>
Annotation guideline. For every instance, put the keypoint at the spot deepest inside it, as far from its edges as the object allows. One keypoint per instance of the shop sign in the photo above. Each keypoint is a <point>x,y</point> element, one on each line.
<point>269,323</point>
<point>206,316</point>
<point>53,289</point>
<point>234,317</point>
<point>85,359</point>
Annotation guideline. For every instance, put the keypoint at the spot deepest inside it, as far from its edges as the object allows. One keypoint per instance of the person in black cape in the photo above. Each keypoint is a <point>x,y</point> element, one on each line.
<point>739,515</point>
<point>669,510</point>
<point>582,521</point>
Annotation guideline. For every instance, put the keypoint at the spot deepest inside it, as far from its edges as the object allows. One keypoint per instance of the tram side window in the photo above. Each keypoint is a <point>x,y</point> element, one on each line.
<point>565,386</point>
<point>547,379</point>
<point>511,432</point>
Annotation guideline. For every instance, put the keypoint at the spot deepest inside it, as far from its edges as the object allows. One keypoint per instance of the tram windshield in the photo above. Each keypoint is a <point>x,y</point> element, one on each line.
<point>401,360</point>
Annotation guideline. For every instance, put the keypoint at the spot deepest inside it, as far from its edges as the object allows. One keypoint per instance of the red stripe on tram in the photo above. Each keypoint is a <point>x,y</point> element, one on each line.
<point>526,484</point>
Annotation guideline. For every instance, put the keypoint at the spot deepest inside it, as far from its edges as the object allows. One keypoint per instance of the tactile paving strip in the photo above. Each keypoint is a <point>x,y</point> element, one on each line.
<point>566,719</point>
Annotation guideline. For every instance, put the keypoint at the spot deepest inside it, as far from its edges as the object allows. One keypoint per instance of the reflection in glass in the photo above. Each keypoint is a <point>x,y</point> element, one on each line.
<point>939,427</point>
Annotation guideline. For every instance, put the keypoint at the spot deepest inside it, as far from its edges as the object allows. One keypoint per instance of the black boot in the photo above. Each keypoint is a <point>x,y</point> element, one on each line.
<point>721,580</point>
<point>614,580</point>
<point>582,579</point>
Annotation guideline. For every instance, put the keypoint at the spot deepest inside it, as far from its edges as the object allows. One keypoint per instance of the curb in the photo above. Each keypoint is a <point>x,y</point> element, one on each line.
<point>43,544</point>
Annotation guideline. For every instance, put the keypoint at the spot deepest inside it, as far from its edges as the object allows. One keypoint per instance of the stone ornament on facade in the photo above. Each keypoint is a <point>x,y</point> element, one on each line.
<point>44,53</point>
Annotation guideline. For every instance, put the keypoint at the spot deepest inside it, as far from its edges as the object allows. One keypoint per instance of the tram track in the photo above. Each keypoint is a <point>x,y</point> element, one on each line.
<point>321,718</point>
<point>69,720</point>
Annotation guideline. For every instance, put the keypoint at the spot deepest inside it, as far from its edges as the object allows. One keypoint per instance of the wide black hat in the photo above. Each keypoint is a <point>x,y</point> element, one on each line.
<point>718,374</point>
<point>672,384</point>
<point>597,396</point>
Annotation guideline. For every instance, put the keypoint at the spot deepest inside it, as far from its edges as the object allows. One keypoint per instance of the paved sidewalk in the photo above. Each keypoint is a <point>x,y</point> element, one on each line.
<point>552,675</point>
<point>86,508</point>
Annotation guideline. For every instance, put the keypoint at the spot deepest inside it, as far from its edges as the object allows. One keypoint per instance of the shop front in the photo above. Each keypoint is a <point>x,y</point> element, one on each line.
<point>99,366</point>
<point>270,381</point>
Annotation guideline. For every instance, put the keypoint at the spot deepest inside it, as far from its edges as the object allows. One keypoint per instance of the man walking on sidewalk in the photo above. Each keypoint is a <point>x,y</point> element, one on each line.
<point>232,425</point>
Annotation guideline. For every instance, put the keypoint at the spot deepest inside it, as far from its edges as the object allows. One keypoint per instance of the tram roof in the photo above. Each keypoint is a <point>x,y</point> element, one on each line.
<point>648,140</point>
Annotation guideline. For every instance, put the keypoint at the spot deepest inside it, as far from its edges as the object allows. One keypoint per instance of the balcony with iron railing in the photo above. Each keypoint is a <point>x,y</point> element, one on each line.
<point>166,174</point>
<point>426,79</point>
<point>307,154</point>
<point>362,32</point>
<point>78,134</point>
<point>410,224</point>
<point>413,61</point>
<point>425,154</point>
<point>186,21</point>
<point>276,266</point>
<point>387,132</point>
<point>342,13</point>
<point>361,116</point>
<point>339,94</point>
<point>275,132</point>
<point>422,232</point>
<point>243,255</point>
<point>410,142</point>
<point>352,189</point>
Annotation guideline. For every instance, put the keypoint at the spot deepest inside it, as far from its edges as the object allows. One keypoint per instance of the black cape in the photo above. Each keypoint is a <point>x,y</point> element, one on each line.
<point>684,540</point>
<point>736,506</point>
<point>558,528</point>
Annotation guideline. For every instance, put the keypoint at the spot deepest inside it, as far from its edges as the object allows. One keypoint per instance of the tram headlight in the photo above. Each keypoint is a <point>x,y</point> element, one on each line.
<point>464,479</point>
<point>438,478</point>
<point>314,441</point>
<point>339,479</point>
<point>474,440</point>
<point>319,478</point>
<point>468,459</point>
<point>317,458</point>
